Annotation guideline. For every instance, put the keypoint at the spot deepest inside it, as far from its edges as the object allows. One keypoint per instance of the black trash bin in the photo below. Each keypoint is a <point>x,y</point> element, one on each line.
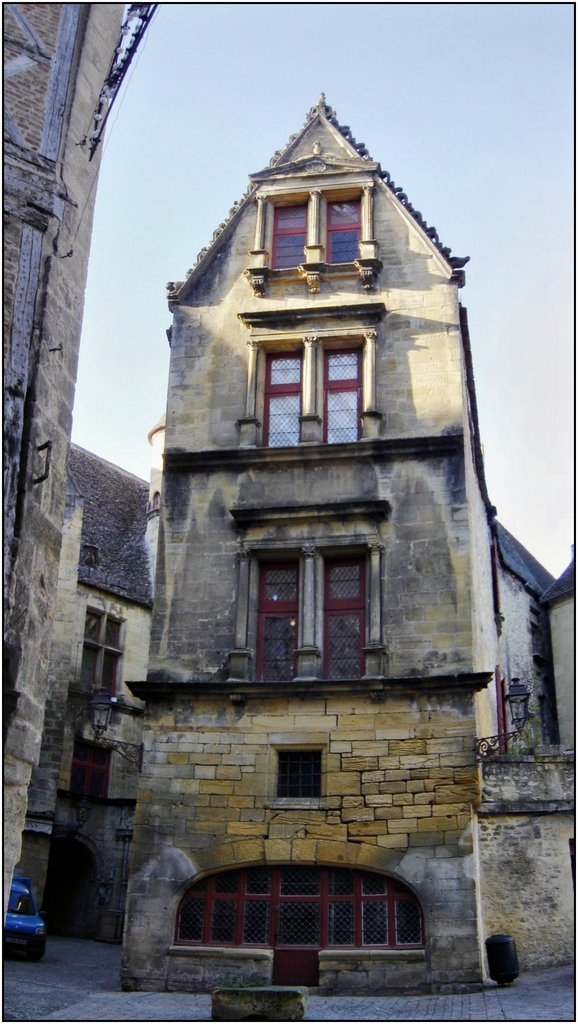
<point>502,959</point>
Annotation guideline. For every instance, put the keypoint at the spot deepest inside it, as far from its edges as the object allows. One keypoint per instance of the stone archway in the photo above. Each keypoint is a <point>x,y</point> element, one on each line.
<point>70,897</point>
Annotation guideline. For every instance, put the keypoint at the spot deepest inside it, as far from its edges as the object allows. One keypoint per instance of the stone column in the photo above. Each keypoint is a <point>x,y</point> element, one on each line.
<point>258,268</point>
<point>308,655</point>
<point>375,650</point>
<point>240,656</point>
<point>370,416</point>
<point>249,424</point>
<point>310,419</point>
<point>368,263</point>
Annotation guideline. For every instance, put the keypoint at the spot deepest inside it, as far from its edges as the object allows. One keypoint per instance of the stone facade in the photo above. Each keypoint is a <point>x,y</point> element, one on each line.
<point>405,502</point>
<point>79,868</point>
<point>526,828</point>
<point>560,602</point>
<point>56,60</point>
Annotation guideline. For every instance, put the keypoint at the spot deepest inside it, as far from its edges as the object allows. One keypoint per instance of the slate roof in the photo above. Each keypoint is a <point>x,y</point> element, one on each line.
<point>114,554</point>
<point>518,560</point>
<point>563,586</point>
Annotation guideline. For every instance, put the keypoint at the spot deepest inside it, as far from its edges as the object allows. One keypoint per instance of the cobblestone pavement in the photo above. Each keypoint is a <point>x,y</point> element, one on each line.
<point>78,980</point>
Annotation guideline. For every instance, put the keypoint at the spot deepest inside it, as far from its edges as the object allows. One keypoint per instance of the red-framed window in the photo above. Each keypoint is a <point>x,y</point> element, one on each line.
<point>277,620</point>
<point>299,773</point>
<point>342,396</point>
<point>101,652</point>
<point>300,906</point>
<point>282,400</point>
<point>344,618</point>
<point>289,236</point>
<point>343,231</point>
<point>90,767</point>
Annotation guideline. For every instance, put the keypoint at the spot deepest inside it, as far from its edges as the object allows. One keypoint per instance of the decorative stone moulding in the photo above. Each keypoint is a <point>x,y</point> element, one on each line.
<point>257,278</point>
<point>368,269</point>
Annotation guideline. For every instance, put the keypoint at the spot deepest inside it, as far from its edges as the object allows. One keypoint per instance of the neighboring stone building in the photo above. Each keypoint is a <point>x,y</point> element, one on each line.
<point>329,643</point>
<point>81,799</point>
<point>56,58</point>
<point>560,601</point>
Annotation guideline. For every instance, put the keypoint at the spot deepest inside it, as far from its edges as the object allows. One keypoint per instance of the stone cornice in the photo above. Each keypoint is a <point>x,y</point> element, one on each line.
<point>373,508</point>
<point>369,312</point>
<point>239,691</point>
<point>380,449</point>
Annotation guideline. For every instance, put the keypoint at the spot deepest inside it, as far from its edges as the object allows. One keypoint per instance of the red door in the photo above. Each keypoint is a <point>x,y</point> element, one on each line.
<point>297,943</point>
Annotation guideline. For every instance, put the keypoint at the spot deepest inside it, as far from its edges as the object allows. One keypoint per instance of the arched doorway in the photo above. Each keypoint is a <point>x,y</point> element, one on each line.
<point>70,891</point>
<point>298,911</point>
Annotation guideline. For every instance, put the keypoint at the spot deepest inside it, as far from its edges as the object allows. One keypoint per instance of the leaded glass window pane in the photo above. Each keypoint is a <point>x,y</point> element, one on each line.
<point>340,882</point>
<point>281,585</point>
<point>223,921</point>
<point>344,646</point>
<point>374,923</point>
<point>344,581</point>
<point>342,417</point>
<point>343,213</point>
<point>342,366</point>
<point>341,931</point>
<point>112,633</point>
<point>299,924</point>
<point>191,920</point>
<point>285,371</point>
<point>300,882</point>
<point>407,922</point>
<point>279,643</point>
<point>291,217</point>
<point>226,882</point>
<point>284,413</point>
<point>256,922</point>
<point>344,246</point>
<point>373,885</point>
<point>258,881</point>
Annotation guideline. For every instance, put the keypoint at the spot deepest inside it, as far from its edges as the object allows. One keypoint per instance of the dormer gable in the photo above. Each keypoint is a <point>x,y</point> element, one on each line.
<point>324,156</point>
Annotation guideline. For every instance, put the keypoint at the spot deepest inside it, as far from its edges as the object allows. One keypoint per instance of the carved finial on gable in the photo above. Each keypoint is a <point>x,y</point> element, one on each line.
<point>316,148</point>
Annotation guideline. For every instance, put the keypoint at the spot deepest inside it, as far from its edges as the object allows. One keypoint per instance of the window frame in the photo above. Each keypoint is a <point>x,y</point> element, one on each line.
<point>278,609</point>
<point>290,774</point>
<point>206,891</point>
<point>343,386</point>
<point>283,390</point>
<point>89,768</point>
<point>280,232</point>
<point>333,606</point>
<point>102,651</point>
<point>332,232</point>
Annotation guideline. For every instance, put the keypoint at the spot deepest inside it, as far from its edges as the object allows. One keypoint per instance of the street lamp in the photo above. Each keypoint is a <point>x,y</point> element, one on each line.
<point>101,707</point>
<point>518,697</point>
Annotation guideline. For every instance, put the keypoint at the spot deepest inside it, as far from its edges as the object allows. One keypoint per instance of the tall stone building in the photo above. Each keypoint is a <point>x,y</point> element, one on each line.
<point>81,798</point>
<point>57,59</point>
<point>327,631</point>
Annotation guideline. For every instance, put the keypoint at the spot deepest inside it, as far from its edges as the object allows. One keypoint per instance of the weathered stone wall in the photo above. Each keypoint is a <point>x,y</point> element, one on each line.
<point>563,628</point>
<point>48,237</point>
<point>525,826</point>
<point>399,781</point>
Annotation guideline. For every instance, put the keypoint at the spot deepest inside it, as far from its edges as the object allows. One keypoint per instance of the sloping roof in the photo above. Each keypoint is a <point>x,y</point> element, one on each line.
<point>518,560</point>
<point>563,586</point>
<point>323,111</point>
<point>114,554</point>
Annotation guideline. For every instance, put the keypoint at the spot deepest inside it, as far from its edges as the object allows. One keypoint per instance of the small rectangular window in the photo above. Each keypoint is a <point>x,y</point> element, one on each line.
<point>343,231</point>
<point>89,772</point>
<point>299,773</point>
<point>101,652</point>
<point>289,236</point>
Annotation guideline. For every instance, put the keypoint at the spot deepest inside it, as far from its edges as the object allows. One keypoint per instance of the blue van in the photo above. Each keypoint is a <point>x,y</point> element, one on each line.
<point>24,929</point>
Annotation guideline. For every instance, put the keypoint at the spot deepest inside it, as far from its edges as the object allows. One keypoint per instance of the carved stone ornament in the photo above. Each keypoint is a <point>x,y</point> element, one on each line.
<point>312,274</point>
<point>368,270</point>
<point>257,278</point>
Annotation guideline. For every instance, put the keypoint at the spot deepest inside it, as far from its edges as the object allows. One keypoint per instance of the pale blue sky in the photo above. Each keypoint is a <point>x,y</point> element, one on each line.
<point>470,109</point>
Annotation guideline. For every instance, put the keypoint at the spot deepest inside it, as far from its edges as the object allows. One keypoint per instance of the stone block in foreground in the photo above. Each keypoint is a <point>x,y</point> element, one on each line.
<point>269,1002</point>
